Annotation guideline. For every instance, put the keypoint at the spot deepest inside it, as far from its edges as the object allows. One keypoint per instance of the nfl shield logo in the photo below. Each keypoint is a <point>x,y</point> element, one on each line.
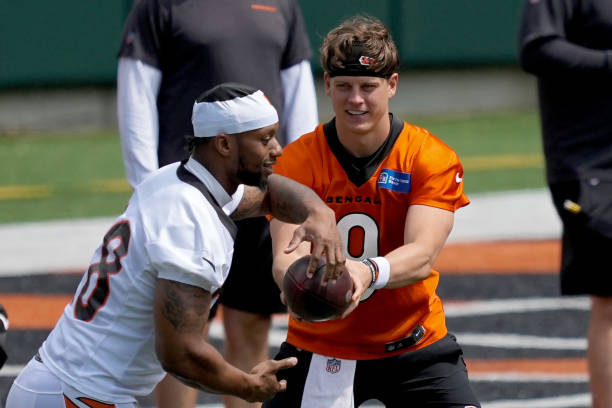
<point>333,365</point>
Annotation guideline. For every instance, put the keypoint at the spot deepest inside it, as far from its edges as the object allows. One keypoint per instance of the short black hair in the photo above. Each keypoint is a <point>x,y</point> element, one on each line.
<point>192,142</point>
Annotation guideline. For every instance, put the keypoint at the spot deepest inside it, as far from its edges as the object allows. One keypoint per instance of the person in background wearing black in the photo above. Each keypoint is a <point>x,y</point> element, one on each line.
<point>567,44</point>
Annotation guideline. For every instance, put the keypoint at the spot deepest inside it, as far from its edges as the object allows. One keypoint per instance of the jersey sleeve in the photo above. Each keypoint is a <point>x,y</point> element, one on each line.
<point>296,163</point>
<point>298,45</point>
<point>144,30</point>
<point>541,19</point>
<point>181,247</point>
<point>546,43</point>
<point>438,177</point>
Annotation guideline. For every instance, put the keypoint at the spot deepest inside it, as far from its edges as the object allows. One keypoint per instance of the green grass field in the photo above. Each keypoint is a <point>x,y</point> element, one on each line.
<point>74,175</point>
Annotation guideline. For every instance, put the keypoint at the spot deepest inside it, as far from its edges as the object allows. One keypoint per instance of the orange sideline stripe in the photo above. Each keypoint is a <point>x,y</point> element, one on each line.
<point>34,311</point>
<point>528,257</point>
<point>38,312</point>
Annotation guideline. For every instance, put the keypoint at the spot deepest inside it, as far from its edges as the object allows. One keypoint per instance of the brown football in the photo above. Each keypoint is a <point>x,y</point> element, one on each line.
<point>309,299</point>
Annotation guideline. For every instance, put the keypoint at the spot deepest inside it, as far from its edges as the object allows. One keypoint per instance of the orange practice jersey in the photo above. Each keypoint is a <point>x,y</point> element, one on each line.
<point>371,213</point>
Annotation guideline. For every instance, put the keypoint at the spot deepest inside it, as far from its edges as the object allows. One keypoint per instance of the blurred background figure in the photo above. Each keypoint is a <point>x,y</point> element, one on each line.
<point>171,52</point>
<point>567,44</point>
<point>4,324</point>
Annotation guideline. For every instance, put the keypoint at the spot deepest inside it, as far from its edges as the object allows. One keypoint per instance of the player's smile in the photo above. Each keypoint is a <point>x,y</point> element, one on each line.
<point>268,167</point>
<point>357,117</point>
<point>356,113</point>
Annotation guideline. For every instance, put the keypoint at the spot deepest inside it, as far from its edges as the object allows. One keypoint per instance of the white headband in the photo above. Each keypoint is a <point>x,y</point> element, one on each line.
<point>231,108</point>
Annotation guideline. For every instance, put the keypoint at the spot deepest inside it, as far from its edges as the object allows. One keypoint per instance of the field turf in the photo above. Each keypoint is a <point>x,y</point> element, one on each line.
<point>75,175</point>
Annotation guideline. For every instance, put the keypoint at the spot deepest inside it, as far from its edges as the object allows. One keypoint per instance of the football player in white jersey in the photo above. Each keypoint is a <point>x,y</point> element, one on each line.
<point>142,307</point>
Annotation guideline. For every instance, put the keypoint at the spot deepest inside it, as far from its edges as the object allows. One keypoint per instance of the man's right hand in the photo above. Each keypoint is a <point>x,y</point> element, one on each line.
<point>265,384</point>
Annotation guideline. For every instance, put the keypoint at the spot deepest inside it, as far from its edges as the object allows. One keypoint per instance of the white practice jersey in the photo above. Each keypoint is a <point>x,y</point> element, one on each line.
<point>173,228</point>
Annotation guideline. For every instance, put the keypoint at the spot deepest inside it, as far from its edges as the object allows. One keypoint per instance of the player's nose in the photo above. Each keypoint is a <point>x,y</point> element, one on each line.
<point>275,148</point>
<point>355,96</point>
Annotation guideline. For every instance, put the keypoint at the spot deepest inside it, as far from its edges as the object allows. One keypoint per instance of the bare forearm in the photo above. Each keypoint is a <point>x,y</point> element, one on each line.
<point>425,233</point>
<point>205,369</point>
<point>292,202</point>
<point>181,315</point>
<point>557,56</point>
<point>409,264</point>
<point>283,198</point>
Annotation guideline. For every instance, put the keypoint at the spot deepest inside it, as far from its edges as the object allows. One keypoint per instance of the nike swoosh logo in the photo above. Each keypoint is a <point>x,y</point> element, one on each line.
<point>458,179</point>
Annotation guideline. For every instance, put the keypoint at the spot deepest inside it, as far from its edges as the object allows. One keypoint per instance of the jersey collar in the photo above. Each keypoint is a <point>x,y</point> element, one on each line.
<point>360,169</point>
<point>211,183</point>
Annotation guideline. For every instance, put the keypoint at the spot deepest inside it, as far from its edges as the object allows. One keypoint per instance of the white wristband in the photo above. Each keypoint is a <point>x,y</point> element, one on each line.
<point>384,270</point>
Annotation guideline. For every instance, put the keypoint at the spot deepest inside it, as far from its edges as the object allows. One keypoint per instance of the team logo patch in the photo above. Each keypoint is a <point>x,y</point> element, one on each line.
<point>394,181</point>
<point>363,60</point>
<point>333,365</point>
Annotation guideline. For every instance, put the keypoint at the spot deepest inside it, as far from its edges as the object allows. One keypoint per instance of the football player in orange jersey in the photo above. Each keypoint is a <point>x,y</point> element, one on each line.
<point>394,188</point>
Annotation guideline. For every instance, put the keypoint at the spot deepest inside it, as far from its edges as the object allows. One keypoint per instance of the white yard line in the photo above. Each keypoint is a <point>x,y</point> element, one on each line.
<point>50,246</point>
<point>520,341</point>
<point>531,377</point>
<point>11,370</point>
<point>563,401</point>
<point>514,305</point>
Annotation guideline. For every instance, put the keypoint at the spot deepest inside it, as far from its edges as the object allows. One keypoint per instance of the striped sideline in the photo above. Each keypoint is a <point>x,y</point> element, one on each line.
<point>278,332</point>
<point>500,340</point>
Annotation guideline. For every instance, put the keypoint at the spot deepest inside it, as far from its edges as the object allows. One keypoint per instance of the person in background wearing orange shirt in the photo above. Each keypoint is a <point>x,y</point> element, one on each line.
<point>394,188</point>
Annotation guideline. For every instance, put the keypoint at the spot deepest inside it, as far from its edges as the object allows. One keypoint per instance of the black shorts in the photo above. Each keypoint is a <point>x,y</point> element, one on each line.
<point>585,264</point>
<point>435,376</point>
<point>250,286</point>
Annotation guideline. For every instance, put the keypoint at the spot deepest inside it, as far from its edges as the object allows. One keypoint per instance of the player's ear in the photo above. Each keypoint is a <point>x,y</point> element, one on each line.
<point>223,144</point>
<point>327,80</point>
<point>392,81</point>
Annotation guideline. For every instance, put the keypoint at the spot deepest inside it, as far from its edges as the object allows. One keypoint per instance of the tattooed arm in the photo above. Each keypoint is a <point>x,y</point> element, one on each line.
<point>284,198</point>
<point>181,315</point>
<point>294,203</point>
